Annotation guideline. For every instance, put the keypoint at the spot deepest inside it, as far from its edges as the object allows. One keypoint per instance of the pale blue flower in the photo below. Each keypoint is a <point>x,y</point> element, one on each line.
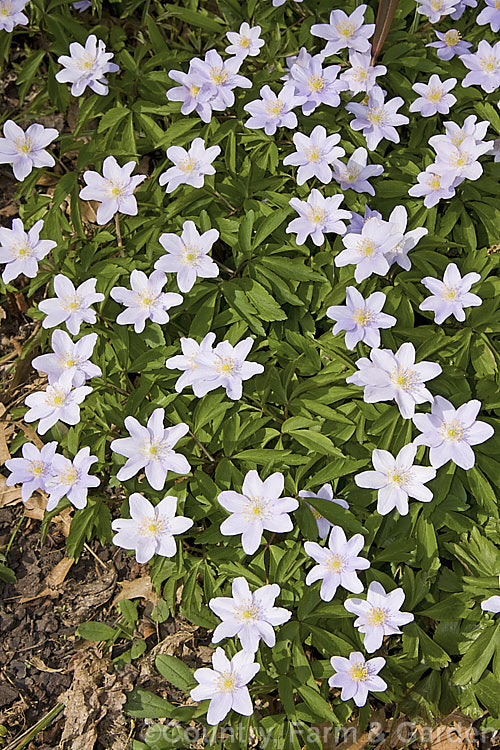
<point>151,448</point>
<point>451,295</point>
<point>258,508</point>
<point>451,432</point>
<point>379,615</point>
<point>357,677</point>
<point>337,563</point>
<point>71,479</point>
<point>151,529</point>
<point>317,216</point>
<point>360,318</point>
<point>388,375</point>
<point>250,616</point>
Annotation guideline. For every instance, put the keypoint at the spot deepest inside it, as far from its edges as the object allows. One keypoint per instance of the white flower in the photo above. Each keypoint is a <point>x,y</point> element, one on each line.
<point>356,676</point>
<point>434,96</point>
<point>25,150</point>
<point>225,685</point>
<point>22,250</point>
<point>245,42</point>
<point>314,155</point>
<point>58,402</point>
<point>190,167</point>
<point>317,216</point>
<point>190,361</point>
<point>187,255</point>
<point>72,306</point>
<point>86,66</point>
<point>362,75</point>
<point>145,300</point>
<point>68,356</point>
<point>151,529</point>
<point>115,189</point>
<point>257,509</point>
<point>11,14</point>
<point>151,448</point>
<point>396,479</point>
<point>379,615</point>
<point>208,368</point>
<point>388,375</point>
<point>337,563</point>
<point>249,616</point>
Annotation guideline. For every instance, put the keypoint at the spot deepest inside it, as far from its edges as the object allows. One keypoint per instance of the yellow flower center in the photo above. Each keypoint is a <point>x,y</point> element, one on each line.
<point>434,182</point>
<point>377,616</point>
<point>218,76</point>
<point>316,83</point>
<point>366,248</point>
<point>450,293</point>
<point>36,468</point>
<point>452,430</point>
<point>247,612</point>
<point>362,317</point>
<point>85,62</point>
<point>244,41</point>
<point>437,4</point>
<point>21,251</point>
<point>151,527</point>
<point>345,29</point>
<point>360,74</point>
<point>489,63</point>
<point>359,672</point>
<point>190,254</point>
<point>188,164</point>
<point>313,153</point>
<point>405,379</point>
<point>452,37</point>
<point>335,563</point>
<point>69,477</point>
<point>70,363</point>
<point>193,90</point>
<point>275,107</point>
<point>226,682</point>
<point>24,145</point>
<point>434,94</point>
<point>375,115</point>
<point>255,509</point>
<point>316,215</point>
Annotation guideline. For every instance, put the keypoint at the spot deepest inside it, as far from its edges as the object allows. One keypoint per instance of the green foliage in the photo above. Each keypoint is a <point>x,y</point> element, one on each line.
<point>299,417</point>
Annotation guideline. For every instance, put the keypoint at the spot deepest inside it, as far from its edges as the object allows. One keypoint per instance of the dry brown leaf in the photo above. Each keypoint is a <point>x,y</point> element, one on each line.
<point>4,450</point>
<point>35,508</point>
<point>137,588</point>
<point>30,434</point>
<point>8,495</point>
<point>88,211</point>
<point>59,572</point>
<point>94,706</point>
<point>39,664</point>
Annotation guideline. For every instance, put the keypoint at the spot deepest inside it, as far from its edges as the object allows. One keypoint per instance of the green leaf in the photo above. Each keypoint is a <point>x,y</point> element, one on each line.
<point>477,657</point>
<point>175,671</point>
<point>95,631</point>
<point>141,704</point>
<point>193,18</point>
<point>266,226</point>
<point>315,441</point>
<point>316,702</point>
